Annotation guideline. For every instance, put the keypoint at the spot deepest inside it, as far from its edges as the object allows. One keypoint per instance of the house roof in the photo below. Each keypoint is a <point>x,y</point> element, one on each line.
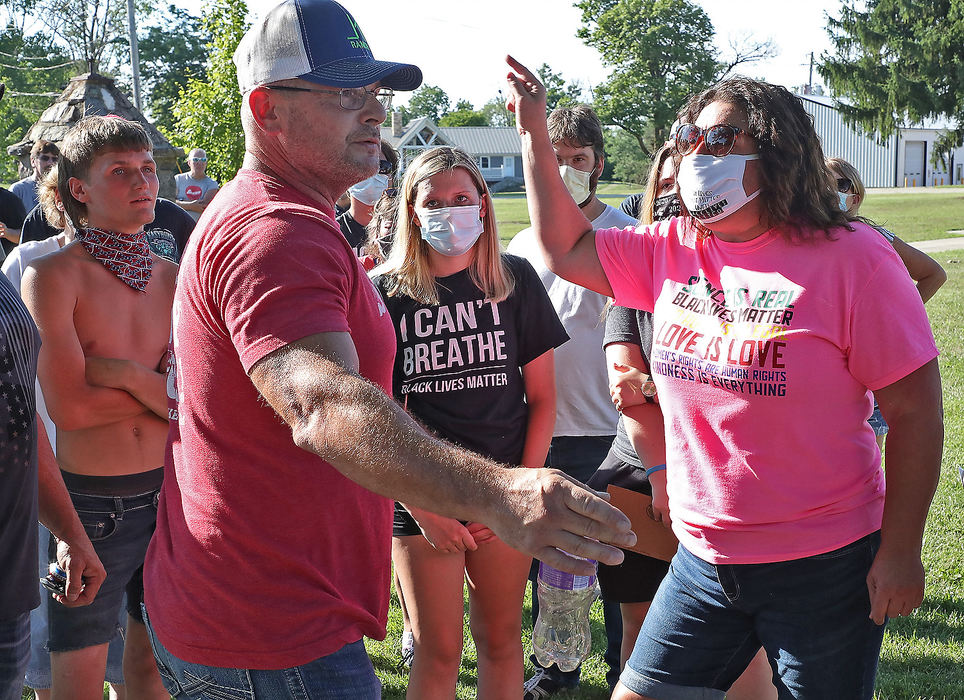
<point>485,140</point>
<point>475,140</point>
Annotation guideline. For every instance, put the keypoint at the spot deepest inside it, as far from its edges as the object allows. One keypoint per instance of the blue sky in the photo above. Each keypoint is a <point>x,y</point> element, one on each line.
<point>461,50</point>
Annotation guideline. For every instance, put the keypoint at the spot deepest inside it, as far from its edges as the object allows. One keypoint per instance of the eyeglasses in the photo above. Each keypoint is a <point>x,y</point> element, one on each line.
<point>718,139</point>
<point>844,185</point>
<point>349,98</point>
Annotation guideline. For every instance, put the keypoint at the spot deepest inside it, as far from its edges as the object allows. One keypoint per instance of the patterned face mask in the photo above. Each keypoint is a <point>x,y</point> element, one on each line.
<point>127,255</point>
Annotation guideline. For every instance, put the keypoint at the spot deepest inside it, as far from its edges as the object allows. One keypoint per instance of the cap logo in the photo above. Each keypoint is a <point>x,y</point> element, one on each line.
<point>356,39</point>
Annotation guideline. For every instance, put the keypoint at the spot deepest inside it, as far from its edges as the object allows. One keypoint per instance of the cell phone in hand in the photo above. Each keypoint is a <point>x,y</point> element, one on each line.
<point>56,580</point>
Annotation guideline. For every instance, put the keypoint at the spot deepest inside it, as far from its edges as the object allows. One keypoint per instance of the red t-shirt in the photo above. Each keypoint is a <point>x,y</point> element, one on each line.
<point>265,556</point>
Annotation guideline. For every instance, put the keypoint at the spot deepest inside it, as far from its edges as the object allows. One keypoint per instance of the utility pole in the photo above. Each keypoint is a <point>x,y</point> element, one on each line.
<point>809,80</point>
<point>135,63</point>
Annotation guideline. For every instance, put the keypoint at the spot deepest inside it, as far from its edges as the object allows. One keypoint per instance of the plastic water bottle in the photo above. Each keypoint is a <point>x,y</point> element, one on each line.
<point>561,635</point>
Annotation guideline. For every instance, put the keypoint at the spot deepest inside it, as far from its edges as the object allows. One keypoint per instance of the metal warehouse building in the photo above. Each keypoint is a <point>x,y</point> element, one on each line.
<point>903,160</point>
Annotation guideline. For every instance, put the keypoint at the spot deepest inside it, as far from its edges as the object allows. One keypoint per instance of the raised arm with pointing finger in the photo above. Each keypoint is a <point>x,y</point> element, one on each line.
<point>567,235</point>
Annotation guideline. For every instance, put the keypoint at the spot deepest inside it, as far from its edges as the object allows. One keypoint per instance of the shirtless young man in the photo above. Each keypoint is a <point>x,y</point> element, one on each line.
<point>103,307</point>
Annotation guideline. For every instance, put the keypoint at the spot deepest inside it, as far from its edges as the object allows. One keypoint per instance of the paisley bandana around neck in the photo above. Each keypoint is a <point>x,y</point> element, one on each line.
<point>127,255</point>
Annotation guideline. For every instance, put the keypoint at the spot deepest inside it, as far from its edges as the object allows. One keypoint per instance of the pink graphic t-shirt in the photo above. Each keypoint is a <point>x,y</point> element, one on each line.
<point>763,354</point>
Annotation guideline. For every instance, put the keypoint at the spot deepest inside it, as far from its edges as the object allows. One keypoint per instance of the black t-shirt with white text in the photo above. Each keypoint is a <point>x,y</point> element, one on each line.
<point>458,364</point>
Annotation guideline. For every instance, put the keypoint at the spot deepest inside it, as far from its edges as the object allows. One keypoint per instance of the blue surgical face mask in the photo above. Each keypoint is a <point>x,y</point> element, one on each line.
<point>451,230</point>
<point>368,191</point>
<point>843,201</point>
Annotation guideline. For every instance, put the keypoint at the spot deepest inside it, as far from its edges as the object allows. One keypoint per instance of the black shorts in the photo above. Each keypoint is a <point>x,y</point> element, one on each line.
<point>404,525</point>
<point>638,577</point>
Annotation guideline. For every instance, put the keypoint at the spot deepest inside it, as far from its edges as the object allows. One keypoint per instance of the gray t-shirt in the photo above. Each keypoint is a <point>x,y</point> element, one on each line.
<point>26,189</point>
<point>191,190</point>
<point>625,325</point>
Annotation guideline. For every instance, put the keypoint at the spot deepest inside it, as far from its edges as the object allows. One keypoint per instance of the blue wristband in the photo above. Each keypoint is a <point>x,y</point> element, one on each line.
<point>653,470</point>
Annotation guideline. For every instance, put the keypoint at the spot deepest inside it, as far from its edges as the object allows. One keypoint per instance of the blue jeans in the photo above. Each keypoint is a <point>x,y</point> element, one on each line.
<point>14,654</point>
<point>580,457</point>
<point>347,674</point>
<point>811,616</point>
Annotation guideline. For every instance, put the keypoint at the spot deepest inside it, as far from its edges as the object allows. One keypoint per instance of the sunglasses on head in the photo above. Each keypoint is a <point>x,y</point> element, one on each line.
<point>844,185</point>
<point>385,167</point>
<point>718,139</point>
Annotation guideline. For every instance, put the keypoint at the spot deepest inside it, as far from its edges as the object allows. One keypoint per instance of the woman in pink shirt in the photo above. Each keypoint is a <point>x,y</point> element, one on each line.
<point>772,323</point>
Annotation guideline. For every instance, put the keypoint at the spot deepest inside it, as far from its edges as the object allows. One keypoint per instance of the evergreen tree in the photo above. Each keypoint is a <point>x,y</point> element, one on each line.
<point>898,62</point>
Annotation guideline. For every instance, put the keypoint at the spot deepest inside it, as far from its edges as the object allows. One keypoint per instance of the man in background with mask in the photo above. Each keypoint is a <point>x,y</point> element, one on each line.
<point>363,195</point>
<point>585,417</point>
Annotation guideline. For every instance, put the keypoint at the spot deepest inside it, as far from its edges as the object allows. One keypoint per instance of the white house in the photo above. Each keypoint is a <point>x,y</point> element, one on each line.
<point>497,149</point>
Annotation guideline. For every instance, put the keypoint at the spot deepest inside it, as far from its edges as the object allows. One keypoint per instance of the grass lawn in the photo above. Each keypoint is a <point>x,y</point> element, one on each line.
<point>916,215</point>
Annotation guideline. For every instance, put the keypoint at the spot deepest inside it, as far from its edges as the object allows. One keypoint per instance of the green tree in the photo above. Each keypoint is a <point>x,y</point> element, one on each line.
<point>660,51</point>
<point>92,31</point>
<point>35,70</point>
<point>428,101</point>
<point>558,94</point>
<point>897,62</point>
<point>172,51</point>
<point>464,117</point>
<point>496,114</point>
<point>629,164</point>
<point>207,113</point>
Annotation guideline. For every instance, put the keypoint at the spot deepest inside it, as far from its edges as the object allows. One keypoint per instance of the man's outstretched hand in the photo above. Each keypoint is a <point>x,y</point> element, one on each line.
<point>559,521</point>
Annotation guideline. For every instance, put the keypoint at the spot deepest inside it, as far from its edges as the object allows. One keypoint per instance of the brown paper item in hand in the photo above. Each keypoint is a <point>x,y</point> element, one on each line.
<point>652,538</point>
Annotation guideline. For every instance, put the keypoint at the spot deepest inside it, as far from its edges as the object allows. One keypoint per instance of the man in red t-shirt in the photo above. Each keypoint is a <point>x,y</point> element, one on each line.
<point>272,546</point>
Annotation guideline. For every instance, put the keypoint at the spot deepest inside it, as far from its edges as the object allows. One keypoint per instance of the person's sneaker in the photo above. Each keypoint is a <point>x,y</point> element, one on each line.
<point>408,650</point>
<point>542,685</point>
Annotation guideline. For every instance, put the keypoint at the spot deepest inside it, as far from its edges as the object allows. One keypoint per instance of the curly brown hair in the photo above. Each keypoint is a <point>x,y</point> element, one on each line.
<point>796,188</point>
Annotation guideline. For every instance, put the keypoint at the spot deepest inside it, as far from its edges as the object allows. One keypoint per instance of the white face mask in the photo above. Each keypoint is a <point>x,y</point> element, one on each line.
<point>451,230</point>
<point>711,187</point>
<point>368,191</point>
<point>578,183</point>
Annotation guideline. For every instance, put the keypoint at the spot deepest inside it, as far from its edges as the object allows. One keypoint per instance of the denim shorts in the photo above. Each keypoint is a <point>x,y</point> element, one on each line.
<point>877,421</point>
<point>38,670</point>
<point>347,674</point>
<point>120,528</point>
<point>14,653</point>
<point>811,616</point>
